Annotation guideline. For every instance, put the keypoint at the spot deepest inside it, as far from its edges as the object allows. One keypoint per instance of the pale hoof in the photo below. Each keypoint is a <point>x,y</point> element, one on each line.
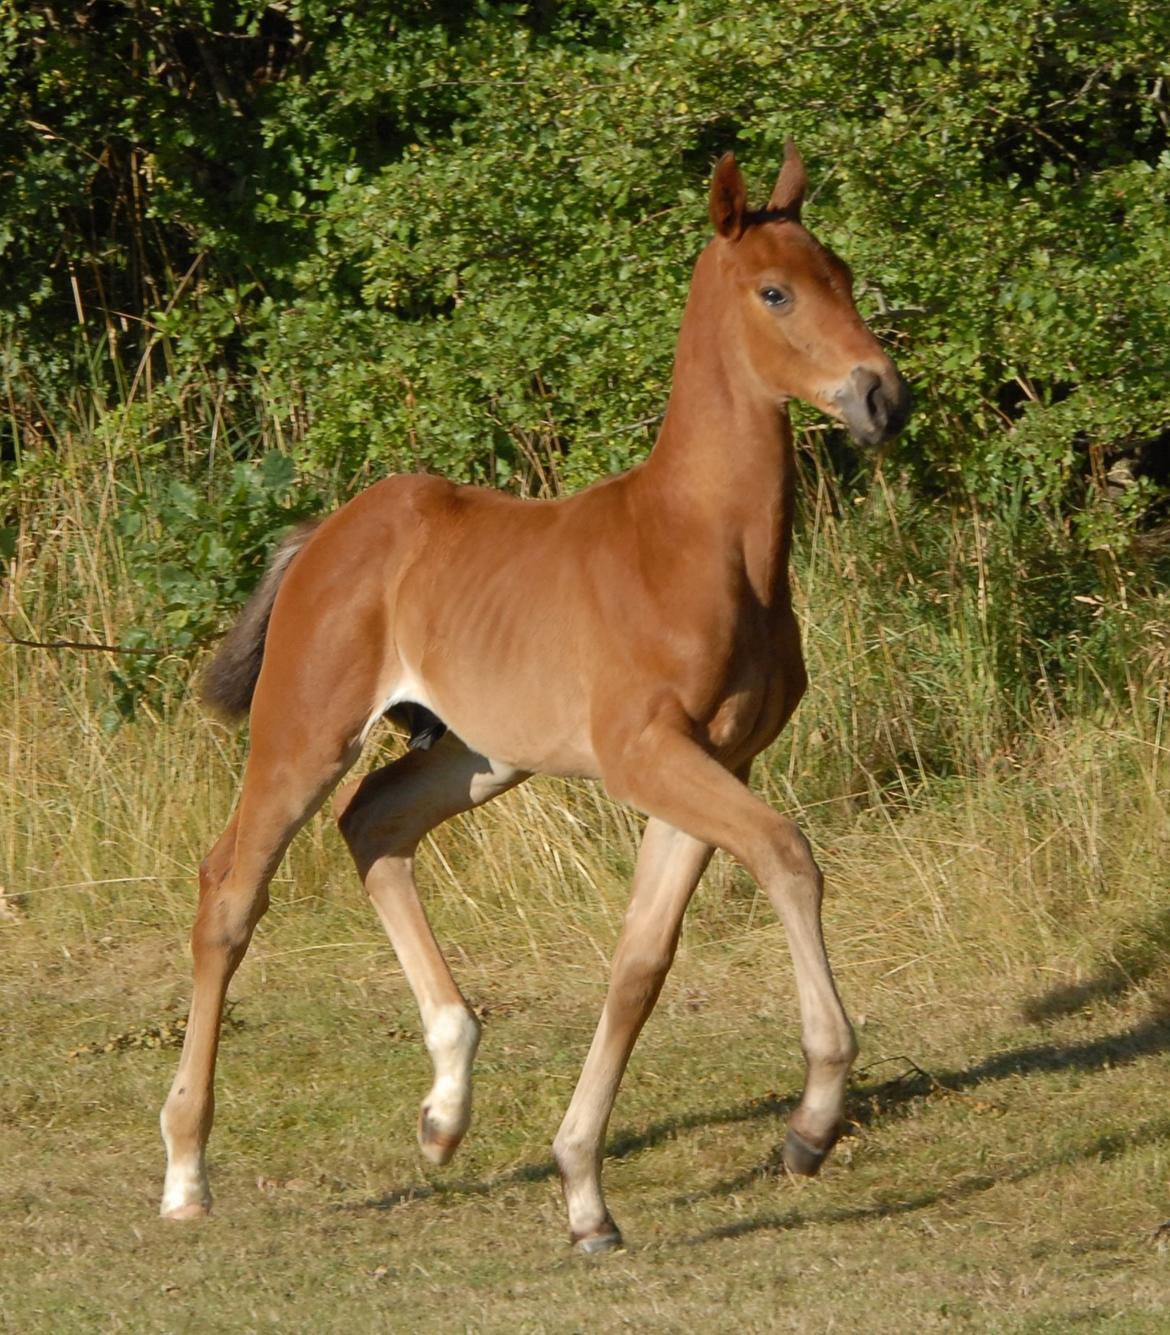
<point>195,1210</point>
<point>803,1158</point>
<point>436,1145</point>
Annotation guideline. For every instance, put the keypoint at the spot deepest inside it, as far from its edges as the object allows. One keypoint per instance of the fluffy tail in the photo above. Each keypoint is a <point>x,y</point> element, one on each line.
<point>229,680</point>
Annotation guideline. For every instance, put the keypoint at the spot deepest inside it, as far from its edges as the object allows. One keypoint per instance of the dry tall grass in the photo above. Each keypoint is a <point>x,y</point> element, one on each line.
<point>975,834</point>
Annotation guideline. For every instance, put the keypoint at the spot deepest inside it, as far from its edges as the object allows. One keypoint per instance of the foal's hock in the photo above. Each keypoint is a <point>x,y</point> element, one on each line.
<point>640,633</point>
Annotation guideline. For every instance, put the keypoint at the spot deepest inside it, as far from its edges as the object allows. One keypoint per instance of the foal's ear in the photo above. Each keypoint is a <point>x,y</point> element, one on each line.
<point>788,195</point>
<point>728,198</point>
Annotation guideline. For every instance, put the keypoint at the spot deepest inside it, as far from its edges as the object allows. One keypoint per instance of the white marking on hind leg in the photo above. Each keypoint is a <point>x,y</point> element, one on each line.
<point>452,1037</point>
<point>186,1191</point>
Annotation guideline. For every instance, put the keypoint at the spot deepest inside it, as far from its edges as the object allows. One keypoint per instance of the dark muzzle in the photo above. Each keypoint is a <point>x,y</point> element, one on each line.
<point>875,407</point>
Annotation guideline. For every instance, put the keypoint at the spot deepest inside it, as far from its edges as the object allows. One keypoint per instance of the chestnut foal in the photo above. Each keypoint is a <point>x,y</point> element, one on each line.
<point>640,633</point>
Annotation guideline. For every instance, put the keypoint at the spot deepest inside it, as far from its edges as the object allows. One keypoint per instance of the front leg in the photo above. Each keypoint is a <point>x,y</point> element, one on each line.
<point>669,866</point>
<point>667,774</point>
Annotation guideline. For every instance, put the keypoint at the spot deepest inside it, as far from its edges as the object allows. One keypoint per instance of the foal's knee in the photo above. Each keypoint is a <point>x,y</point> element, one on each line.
<point>228,909</point>
<point>791,858</point>
<point>225,922</point>
<point>213,870</point>
<point>210,876</point>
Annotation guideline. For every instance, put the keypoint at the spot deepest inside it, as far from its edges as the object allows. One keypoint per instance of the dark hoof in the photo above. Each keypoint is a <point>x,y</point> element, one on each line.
<point>803,1158</point>
<point>608,1238</point>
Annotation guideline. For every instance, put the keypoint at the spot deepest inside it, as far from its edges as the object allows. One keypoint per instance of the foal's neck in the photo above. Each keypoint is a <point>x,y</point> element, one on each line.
<point>724,459</point>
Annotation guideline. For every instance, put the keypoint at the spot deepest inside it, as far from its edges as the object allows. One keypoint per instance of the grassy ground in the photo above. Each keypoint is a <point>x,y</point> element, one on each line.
<point>997,915</point>
<point>1011,1133</point>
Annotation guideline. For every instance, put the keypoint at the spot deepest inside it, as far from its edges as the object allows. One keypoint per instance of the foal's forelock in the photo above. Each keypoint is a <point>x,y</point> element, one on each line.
<point>758,217</point>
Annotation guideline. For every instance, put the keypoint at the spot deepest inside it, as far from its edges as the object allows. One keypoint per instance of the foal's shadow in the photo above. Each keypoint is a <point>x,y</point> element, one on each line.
<point>622,1146</point>
<point>868,1103</point>
<point>1129,964</point>
<point>1096,1149</point>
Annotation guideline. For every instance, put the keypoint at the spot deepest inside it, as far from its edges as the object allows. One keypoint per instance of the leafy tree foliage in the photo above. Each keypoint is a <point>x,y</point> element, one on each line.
<point>461,234</point>
<point>415,233</point>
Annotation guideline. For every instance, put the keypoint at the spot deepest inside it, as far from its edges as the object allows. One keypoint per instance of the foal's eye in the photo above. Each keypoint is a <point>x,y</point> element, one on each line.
<point>772,296</point>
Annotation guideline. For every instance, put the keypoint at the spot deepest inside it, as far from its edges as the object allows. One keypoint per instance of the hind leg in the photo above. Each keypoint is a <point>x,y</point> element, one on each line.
<point>283,785</point>
<point>382,818</point>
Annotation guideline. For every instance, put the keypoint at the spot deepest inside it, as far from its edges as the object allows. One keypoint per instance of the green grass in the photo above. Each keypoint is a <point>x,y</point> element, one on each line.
<point>1013,1181</point>
<point>1028,1190</point>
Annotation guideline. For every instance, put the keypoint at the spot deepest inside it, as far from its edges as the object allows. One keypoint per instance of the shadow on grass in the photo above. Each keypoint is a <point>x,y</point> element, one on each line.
<point>872,1103</point>
<point>867,1103</point>
<point>1147,1039</point>
<point>1129,964</point>
<point>1099,1148</point>
<point>621,1147</point>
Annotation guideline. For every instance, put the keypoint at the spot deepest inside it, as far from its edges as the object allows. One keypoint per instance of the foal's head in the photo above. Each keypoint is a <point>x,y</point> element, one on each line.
<point>801,334</point>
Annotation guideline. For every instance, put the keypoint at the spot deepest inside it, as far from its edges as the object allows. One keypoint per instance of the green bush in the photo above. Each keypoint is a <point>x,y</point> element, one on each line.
<point>403,235</point>
<point>195,554</point>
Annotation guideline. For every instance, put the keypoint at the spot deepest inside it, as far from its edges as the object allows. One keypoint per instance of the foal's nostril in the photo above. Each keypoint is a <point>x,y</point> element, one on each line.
<point>874,408</point>
<point>875,403</point>
<point>900,404</point>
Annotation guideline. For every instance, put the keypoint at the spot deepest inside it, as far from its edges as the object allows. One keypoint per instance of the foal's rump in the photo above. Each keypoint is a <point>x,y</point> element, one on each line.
<point>315,610</point>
